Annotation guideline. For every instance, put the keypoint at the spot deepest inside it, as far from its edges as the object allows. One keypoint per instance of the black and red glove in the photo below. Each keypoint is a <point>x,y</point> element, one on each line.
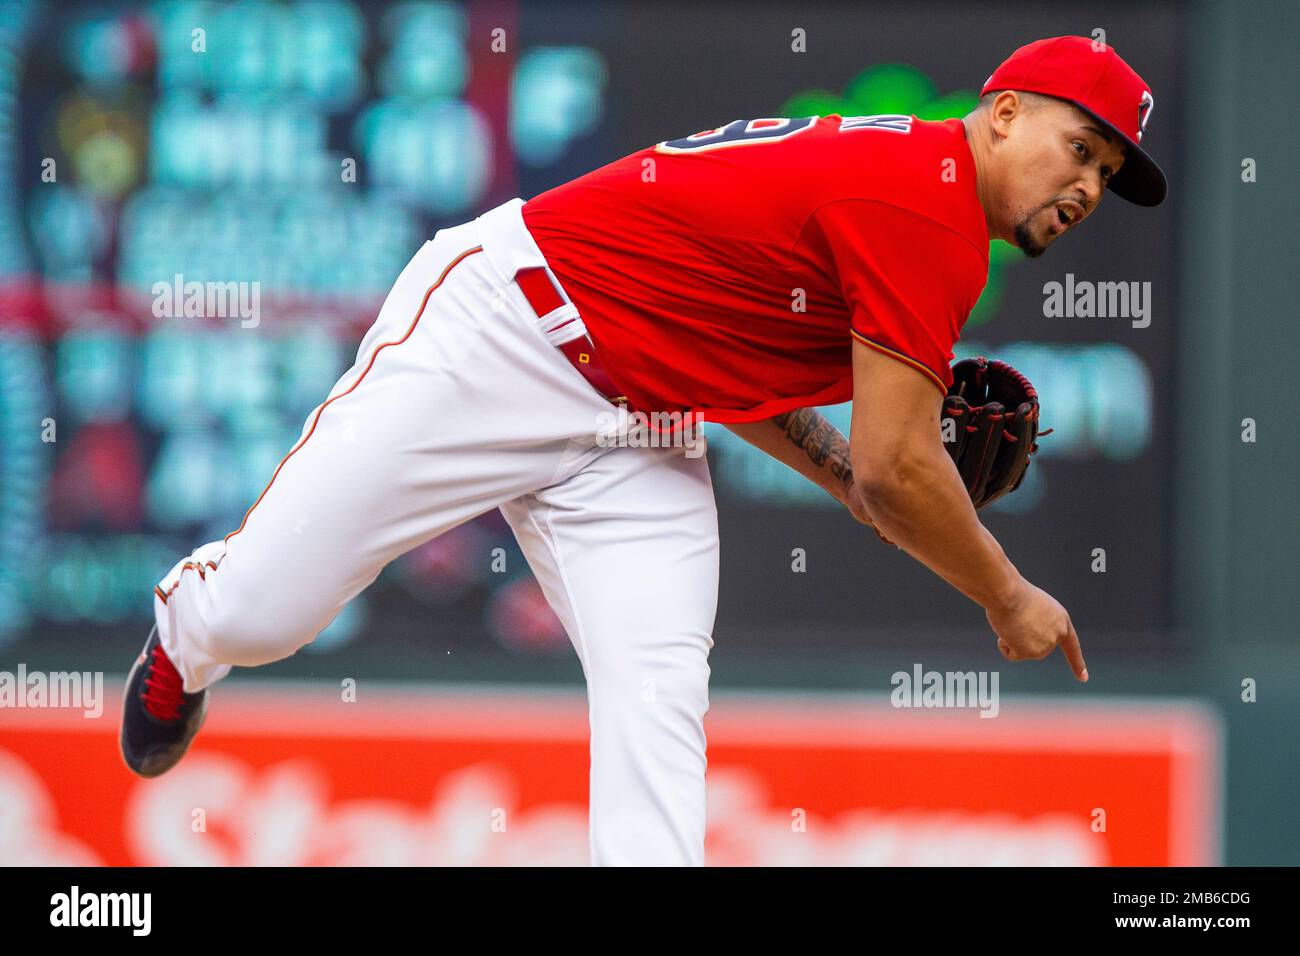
<point>994,430</point>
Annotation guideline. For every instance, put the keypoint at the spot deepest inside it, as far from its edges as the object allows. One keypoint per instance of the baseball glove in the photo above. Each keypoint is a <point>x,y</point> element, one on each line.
<point>994,430</point>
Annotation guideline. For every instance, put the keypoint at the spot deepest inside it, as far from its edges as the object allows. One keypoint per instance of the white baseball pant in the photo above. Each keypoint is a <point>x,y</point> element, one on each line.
<point>459,403</point>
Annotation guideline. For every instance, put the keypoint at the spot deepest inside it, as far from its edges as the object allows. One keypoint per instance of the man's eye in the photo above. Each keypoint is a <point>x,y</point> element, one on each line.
<point>1107,172</point>
<point>1082,149</point>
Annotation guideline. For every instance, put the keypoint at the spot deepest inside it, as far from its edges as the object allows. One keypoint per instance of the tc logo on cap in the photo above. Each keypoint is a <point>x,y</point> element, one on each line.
<point>1144,112</point>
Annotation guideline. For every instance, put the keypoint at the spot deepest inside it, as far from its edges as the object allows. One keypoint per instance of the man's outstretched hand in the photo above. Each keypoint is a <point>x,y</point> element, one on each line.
<point>1033,624</point>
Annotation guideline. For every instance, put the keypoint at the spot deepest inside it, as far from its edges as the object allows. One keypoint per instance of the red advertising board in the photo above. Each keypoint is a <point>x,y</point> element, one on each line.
<point>290,774</point>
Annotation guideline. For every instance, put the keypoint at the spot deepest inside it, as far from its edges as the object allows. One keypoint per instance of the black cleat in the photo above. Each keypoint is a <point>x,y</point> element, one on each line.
<point>158,718</point>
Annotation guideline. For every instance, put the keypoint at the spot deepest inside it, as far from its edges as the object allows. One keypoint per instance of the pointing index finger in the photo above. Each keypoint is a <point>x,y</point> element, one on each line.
<point>1074,653</point>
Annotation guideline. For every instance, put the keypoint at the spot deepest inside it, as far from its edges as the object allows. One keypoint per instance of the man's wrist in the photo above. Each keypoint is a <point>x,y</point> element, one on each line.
<point>1006,593</point>
<point>842,487</point>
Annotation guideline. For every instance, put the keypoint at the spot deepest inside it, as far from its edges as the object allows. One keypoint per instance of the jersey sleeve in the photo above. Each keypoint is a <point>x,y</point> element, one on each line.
<point>909,282</point>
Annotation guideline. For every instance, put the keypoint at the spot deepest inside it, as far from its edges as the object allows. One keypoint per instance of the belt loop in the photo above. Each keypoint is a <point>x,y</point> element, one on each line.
<point>563,327</point>
<point>547,299</point>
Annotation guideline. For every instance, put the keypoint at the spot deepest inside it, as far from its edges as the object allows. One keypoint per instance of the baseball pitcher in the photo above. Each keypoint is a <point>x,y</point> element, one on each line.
<point>740,275</point>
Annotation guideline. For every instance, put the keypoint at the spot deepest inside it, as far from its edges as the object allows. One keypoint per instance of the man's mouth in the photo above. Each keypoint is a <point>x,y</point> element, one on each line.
<point>1067,214</point>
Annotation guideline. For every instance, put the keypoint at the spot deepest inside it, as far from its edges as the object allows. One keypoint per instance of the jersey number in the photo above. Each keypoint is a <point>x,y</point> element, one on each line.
<point>775,129</point>
<point>739,133</point>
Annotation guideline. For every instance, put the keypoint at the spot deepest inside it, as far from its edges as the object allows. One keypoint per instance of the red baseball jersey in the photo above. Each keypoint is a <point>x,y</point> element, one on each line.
<point>727,272</point>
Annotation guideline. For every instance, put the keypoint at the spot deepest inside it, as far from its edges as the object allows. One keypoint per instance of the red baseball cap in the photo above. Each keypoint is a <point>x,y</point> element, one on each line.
<point>1091,75</point>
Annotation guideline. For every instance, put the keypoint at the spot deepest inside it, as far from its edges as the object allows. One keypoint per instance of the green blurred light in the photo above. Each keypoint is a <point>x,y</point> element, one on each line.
<point>891,88</point>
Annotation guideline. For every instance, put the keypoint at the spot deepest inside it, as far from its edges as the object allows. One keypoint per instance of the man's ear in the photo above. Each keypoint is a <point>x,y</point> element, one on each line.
<point>1007,106</point>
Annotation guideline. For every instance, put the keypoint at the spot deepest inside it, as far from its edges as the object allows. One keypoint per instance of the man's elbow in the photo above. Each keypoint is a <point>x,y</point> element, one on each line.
<point>886,478</point>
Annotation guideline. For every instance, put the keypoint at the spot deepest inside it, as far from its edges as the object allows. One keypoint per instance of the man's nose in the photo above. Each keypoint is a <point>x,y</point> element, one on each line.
<point>1091,187</point>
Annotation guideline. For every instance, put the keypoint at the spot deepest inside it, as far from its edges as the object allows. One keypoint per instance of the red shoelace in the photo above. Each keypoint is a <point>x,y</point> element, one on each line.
<point>163,687</point>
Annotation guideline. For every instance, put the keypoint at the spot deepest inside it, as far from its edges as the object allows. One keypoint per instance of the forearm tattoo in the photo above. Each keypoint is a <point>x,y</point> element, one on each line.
<point>820,439</point>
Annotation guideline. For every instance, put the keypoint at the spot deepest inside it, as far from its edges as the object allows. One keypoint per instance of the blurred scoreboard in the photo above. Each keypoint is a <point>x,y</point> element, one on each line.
<point>303,150</point>
<point>306,150</point>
